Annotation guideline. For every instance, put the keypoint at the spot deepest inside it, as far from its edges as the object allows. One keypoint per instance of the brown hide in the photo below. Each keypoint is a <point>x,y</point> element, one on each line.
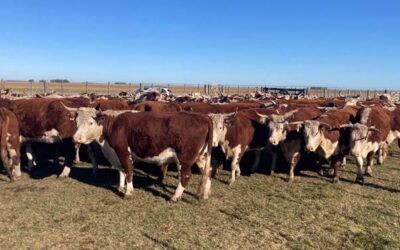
<point>158,107</point>
<point>377,117</point>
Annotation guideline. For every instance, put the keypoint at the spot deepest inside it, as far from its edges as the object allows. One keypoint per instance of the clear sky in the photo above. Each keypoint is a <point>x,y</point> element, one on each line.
<point>335,43</point>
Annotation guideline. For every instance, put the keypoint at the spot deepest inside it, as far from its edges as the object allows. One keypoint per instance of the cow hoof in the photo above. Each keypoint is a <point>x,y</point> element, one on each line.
<point>331,172</point>
<point>359,181</point>
<point>321,172</point>
<point>272,172</point>
<point>231,182</point>
<point>368,174</point>
<point>336,180</point>
<point>289,179</point>
<point>175,199</point>
<point>121,190</point>
<point>128,196</point>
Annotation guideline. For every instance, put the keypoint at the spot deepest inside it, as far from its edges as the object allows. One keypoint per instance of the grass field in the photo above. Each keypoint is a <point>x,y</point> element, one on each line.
<point>258,211</point>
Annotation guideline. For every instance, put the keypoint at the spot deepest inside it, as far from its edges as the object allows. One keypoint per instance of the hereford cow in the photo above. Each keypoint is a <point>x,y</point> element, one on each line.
<point>246,130</point>
<point>10,144</point>
<point>153,138</point>
<point>285,132</point>
<point>47,120</point>
<point>325,136</point>
<point>368,135</point>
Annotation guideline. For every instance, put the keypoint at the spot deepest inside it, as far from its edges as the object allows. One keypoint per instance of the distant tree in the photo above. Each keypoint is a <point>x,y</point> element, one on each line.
<point>31,80</point>
<point>42,81</point>
<point>120,83</point>
<point>65,81</point>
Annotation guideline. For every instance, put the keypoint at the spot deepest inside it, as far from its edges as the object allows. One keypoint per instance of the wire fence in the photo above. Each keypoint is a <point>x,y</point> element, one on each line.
<point>65,88</point>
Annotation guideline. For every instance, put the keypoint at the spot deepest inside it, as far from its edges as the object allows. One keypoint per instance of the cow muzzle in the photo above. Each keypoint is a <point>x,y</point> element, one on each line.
<point>310,148</point>
<point>273,141</point>
<point>78,139</point>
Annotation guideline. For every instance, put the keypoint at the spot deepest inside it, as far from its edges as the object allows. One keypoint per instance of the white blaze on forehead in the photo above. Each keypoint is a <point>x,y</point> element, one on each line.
<point>365,115</point>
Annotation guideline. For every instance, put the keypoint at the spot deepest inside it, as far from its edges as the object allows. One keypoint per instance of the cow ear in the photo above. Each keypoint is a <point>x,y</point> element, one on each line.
<point>324,126</point>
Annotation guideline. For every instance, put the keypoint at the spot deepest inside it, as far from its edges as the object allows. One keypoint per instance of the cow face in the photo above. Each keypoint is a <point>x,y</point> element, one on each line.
<point>219,128</point>
<point>278,131</point>
<point>313,134</point>
<point>359,145</point>
<point>88,127</point>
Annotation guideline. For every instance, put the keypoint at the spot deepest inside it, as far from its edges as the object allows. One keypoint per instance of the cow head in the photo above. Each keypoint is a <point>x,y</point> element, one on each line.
<point>359,139</point>
<point>88,127</point>
<point>277,132</point>
<point>219,127</point>
<point>313,134</point>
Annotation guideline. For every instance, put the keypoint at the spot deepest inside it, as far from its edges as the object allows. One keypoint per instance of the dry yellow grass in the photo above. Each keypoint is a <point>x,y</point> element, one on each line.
<point>257,212</point>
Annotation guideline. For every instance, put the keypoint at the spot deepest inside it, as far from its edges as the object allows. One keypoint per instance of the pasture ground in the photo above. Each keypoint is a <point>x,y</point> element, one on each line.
<point>257,212</point>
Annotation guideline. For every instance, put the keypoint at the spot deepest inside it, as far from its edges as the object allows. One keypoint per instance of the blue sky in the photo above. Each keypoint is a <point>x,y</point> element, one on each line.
<point>335,43</point>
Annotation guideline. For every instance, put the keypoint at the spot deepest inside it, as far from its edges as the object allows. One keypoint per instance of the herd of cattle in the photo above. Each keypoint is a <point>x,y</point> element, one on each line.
<point>187,133</point>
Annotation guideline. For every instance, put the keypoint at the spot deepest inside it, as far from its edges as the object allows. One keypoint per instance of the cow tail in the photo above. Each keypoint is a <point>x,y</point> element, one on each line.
<point>205,186</point>
<point>4,148</point>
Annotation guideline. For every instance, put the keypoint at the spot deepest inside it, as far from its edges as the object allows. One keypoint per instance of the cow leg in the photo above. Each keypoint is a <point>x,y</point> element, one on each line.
<point>360,177</point>
<point>181,188</point>
<point>122,181</point>
<point>344,162</point>
<point>256,162</point>
<point>370,162</point>
<point>68,147</point>
<point>164,170</point>
<point>205,185</point>
<point>336,163</point>
<point>29,155</point>
<point>92,158</point>
<point>6,161</point>
<point>293,163</point>
<point>234,168</point>
<point>56,155</point>
<point>382,153</point>
<point>77,147</point>
<point>274,157</point>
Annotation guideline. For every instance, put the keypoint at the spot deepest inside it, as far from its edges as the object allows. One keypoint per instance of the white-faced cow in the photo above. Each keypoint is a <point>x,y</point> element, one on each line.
<point>181,138</point>
<point>285,132</point>
<point>325,136</point>
<point>368,136</point>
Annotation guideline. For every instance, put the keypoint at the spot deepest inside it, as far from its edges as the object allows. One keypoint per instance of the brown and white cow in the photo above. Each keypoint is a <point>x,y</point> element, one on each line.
<point>48,121</point>
<point>10,144</point>
<point>246,130</point>
<point>285,132</point>
<point>368,136</point>
<point>327,138</point>
<point>181,138</point>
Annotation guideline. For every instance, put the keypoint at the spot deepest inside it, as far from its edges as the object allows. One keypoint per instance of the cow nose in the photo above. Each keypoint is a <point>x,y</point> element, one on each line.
<point>355,153</point>
<point>272,141</point>
<point>310,148</point>
<point>77,138</point>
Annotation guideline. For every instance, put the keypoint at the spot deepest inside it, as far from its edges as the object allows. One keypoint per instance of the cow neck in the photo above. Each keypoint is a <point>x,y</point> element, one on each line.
<point>106,127</point>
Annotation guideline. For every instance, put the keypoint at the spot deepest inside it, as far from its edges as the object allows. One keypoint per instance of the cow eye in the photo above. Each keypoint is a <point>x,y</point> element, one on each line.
<point>90,123</point>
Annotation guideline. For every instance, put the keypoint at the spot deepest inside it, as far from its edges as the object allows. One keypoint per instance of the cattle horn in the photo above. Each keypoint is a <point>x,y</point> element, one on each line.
<point>373,129</point>
<point>346,126</point>
<point>72,110</point>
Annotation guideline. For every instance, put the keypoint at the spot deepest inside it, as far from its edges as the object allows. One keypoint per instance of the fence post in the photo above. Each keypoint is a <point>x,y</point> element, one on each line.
<point>141,87</point>
<point>205,89</point>
<point>348,93</point>
<point>2,86</point>
<point>108,88</point>
<point>130,87</point>
<point>198,87</point>
<point>184,88</point>
<point>45,87</point>
<point>86,84</point>
<point>31,89</point>
<point>238,90</point>
<point>227,92</point>
<point>248,90</point>
<point>62,88</point>
<point>374,93</point>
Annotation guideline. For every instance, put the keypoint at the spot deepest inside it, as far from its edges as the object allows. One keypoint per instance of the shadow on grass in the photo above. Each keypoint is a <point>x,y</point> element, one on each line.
<point>158,242</point>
